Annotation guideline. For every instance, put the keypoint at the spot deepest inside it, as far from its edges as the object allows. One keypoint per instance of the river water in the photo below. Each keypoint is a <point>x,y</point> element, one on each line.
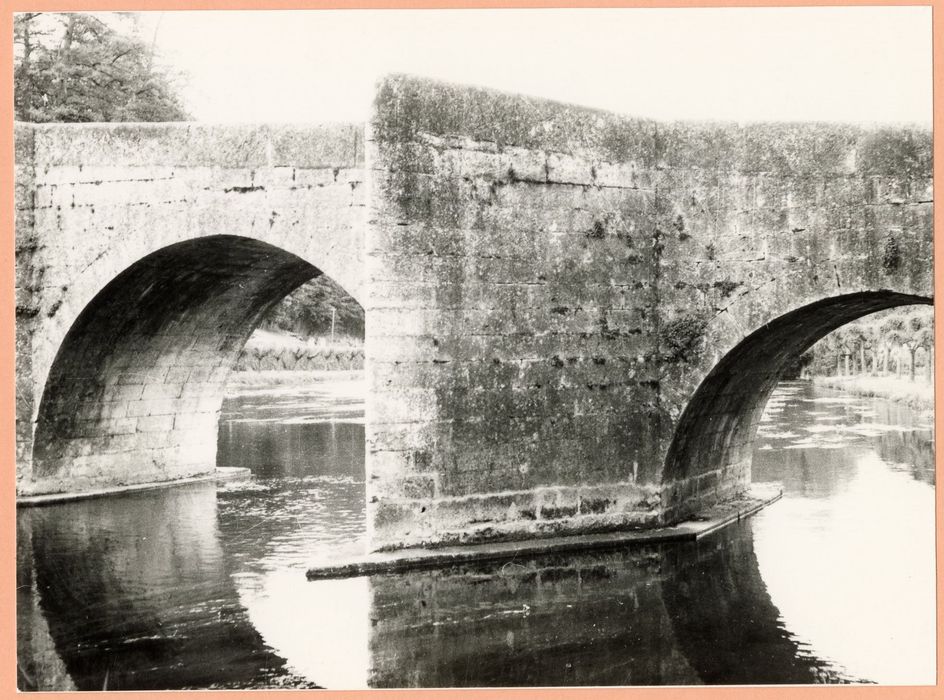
<point>203,586</point>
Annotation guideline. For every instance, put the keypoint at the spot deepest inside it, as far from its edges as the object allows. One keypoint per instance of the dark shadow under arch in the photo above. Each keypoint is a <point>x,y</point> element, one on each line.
<point>134,391</point>
<point>716,430</point>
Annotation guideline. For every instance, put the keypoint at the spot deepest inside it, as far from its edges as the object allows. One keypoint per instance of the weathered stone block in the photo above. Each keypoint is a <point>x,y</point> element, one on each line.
<point>567,169</point>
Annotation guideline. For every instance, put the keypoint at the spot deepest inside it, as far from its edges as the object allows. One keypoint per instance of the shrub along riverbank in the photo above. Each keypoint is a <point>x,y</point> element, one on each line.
<point>267,352</point>
<point>918,394</point>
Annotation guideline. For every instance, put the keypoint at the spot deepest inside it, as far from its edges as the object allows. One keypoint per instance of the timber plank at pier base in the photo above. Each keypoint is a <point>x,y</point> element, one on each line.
<point>398,561</point>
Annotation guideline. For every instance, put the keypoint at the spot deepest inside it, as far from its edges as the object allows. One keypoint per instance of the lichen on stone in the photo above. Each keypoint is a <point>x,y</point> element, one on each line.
<point>597,231</point>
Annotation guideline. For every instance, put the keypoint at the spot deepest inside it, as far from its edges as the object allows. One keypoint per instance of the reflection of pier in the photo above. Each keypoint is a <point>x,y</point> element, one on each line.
<point>675,614</point>
<point>38,666</point>
<point>136,595</point>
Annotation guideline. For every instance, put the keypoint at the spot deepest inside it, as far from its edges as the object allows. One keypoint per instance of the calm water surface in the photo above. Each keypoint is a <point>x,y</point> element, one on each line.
<point>203,586</point>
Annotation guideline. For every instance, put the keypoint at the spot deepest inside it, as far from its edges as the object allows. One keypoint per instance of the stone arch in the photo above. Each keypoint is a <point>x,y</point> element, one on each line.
<point>123,252</point>
<point>134,392</point>
<point>710,451</point>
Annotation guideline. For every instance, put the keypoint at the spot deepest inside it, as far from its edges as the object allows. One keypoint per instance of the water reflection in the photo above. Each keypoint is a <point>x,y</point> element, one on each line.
<point>725,622</point>
<point>204,586</point>
<point>137,594</point>
<point>287,432</point>
<point>848,554</point>
<point>690,614</point>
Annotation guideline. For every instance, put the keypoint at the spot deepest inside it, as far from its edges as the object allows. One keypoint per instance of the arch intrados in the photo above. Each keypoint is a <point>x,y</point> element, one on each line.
<point>191,303</point>
<point>725,407</point>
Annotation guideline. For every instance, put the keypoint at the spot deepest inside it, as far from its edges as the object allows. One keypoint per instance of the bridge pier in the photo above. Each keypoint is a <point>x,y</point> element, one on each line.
<point>550,286</point>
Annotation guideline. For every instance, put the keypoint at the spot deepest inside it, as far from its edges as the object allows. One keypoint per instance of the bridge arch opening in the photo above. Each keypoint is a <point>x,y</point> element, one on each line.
<point>710,452</point>
<point>134,392</point>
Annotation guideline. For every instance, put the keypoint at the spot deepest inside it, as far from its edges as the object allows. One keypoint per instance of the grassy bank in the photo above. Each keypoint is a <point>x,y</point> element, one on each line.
<point>918,394</point>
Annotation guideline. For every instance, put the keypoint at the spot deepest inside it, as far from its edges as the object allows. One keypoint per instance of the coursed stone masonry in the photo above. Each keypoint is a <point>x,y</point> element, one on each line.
<point>145,256</point>
<point>549,285</point>
<point>573,318</point>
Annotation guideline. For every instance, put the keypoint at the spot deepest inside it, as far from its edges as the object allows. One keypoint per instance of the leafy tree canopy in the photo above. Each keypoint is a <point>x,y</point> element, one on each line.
<point>308,311</point>
<point>74,67</point>
<point>878,335</point>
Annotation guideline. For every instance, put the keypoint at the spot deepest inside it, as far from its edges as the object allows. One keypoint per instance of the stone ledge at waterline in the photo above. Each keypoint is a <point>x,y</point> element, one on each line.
<point>409,559</point>
<point>583,310</point>
<point>218,475</point>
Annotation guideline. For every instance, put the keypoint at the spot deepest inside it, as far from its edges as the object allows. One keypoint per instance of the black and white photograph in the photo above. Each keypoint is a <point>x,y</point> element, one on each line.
<point>474,348</point>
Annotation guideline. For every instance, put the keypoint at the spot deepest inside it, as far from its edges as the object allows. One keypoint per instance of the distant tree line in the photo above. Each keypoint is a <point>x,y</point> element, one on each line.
<point>308,311</point>
<point>889,343</point>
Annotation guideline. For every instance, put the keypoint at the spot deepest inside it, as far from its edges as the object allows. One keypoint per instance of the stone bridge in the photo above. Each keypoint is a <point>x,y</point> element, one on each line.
<point>574,319</point>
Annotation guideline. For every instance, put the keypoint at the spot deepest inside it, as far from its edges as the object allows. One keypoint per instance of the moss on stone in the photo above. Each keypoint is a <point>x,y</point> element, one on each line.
<point>891,255</point>
<point>683,339</point>
<point>726,286</point>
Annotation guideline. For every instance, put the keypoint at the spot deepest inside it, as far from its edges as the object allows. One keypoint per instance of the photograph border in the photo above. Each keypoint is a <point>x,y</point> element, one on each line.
<point>7,321</point>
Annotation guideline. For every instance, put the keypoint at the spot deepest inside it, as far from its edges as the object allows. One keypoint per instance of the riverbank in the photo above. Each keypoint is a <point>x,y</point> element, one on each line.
<point>918,394</point>
<point>258,379</point>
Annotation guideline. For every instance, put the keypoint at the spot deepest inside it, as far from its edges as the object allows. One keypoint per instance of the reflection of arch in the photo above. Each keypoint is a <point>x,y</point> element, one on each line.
<point>138,594</point>
<point>717,427</point>
<point>670,614</point>
<point>135,389</point>
<point>725,624</point>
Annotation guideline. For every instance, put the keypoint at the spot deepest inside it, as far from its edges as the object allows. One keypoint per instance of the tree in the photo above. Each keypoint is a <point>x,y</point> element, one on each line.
<point>925,340</point>
<point>881,347</point>
<point>835,347</point>
<point>885,336</point>
<point>308,311</point>
<point>73,67</point>
<point>919,335</point>
<point>895,331</point>
<point>872,342</point>
<point>928,345</point>
<point>858,340</point>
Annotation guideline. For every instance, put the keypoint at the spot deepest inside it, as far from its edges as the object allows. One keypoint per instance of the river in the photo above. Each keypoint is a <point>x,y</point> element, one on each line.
<point>203,586</point>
